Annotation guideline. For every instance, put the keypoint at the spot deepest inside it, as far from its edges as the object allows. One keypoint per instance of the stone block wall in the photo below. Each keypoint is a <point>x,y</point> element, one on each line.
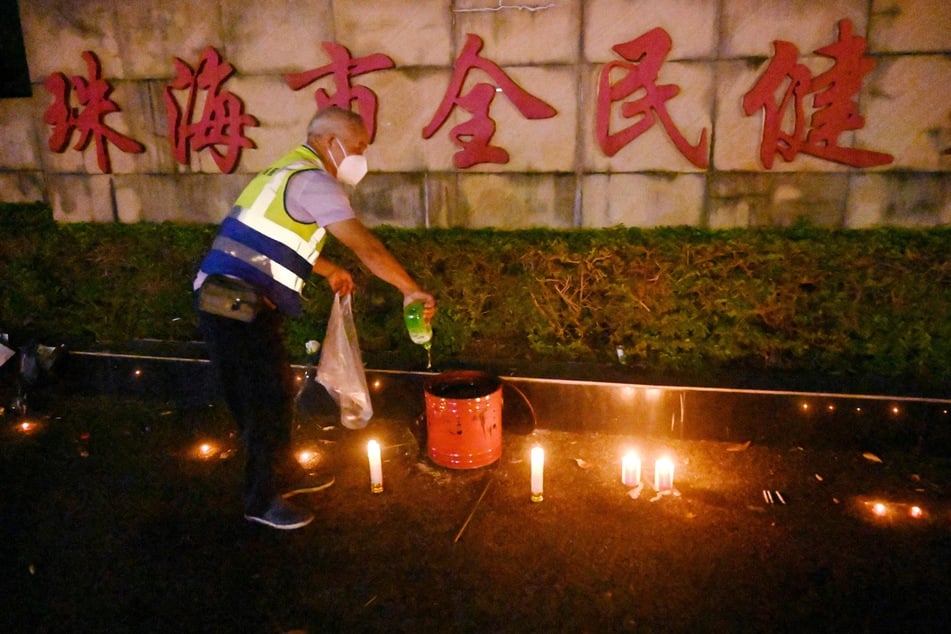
<point>556,50</point>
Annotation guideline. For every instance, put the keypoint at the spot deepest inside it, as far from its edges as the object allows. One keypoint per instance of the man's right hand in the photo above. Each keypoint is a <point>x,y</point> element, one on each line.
<point>355,236</point>
<point>429,303</point>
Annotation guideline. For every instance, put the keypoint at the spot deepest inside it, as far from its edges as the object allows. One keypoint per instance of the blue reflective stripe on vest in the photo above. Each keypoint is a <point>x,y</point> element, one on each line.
<point>280,253</point>
<point>219,263</point>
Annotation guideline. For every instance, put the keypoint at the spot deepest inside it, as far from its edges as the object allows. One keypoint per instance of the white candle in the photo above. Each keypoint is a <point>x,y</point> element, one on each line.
<point>538,470</point>
<point>376,467</point>
<point>630,469</point>
<point>664,475</point>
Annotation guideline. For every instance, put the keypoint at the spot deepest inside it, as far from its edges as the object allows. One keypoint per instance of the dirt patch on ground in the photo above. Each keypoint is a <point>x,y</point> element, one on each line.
<point>110,521</point>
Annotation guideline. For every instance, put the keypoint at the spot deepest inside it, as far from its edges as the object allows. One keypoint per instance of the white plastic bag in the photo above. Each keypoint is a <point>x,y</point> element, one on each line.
<point>340,369</point>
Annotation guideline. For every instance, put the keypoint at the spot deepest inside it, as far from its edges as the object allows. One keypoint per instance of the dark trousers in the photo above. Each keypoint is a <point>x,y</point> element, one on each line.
<point>252,366</point>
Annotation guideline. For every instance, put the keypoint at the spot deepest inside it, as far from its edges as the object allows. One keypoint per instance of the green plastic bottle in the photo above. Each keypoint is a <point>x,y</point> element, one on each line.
<point>419,331</point>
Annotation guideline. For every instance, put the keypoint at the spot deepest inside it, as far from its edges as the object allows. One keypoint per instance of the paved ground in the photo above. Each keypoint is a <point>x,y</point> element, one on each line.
<point>110,521</point>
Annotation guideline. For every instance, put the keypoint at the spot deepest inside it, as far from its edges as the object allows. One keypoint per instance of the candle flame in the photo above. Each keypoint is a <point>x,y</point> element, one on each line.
<point>28,426</point>
<point>206,450</point>
<point>308,458</point>
<point>538,456</point>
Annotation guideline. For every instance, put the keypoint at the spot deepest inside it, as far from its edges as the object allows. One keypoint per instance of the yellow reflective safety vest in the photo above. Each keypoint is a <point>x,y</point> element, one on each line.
<point>260,243</point>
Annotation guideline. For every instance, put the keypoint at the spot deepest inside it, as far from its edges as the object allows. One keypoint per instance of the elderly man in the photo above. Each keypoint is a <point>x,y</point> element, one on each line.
<point>252,277</point>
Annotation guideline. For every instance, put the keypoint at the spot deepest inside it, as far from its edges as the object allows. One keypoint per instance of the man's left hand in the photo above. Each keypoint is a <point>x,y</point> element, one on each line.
<point>340,281</point>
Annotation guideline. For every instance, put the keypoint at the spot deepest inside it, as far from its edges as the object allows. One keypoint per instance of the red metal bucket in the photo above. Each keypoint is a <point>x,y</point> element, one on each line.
<point>464,419</point>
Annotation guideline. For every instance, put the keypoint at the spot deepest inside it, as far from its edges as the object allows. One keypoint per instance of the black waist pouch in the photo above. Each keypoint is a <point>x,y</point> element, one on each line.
<point>231,298</point>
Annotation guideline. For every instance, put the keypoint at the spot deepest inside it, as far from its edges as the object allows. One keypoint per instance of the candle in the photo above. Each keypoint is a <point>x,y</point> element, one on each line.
<point>630,469</point>
<point>538,470</point>
<point>376,467</point>
<point>664,475</point>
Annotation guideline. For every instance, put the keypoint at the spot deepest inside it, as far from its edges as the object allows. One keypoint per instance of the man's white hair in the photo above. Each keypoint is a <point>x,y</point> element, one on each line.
<point>332,120</point>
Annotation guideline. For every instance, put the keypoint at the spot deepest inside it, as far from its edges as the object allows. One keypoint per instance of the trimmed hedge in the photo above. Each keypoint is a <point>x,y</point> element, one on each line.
<point>801,299</point>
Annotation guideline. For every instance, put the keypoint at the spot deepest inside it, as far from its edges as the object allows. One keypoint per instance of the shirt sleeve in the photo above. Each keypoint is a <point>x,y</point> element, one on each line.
<point>316,196</point>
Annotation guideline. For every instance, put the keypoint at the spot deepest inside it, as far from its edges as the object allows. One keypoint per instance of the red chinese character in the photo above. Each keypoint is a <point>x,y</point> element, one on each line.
<point>343,67</point>
<point>834,109</point>
<point>93,96</point>
<point>644,56</point>
<point>222,120</point>
<point>473,136</point>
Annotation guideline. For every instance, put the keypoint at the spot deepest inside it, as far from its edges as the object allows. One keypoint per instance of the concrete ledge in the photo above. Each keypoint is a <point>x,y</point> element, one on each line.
<point>692,412</point>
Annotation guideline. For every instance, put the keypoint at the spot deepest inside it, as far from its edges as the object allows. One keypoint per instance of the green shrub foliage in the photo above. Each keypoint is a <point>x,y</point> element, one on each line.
<point>838,302</point>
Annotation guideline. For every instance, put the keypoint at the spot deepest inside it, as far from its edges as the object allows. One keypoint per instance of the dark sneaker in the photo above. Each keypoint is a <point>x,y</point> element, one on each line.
<point>307,482</point>
<point>282,515</point>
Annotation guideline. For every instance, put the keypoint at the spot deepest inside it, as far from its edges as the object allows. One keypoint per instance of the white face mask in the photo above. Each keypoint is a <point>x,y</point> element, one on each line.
<point>352,168</point>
